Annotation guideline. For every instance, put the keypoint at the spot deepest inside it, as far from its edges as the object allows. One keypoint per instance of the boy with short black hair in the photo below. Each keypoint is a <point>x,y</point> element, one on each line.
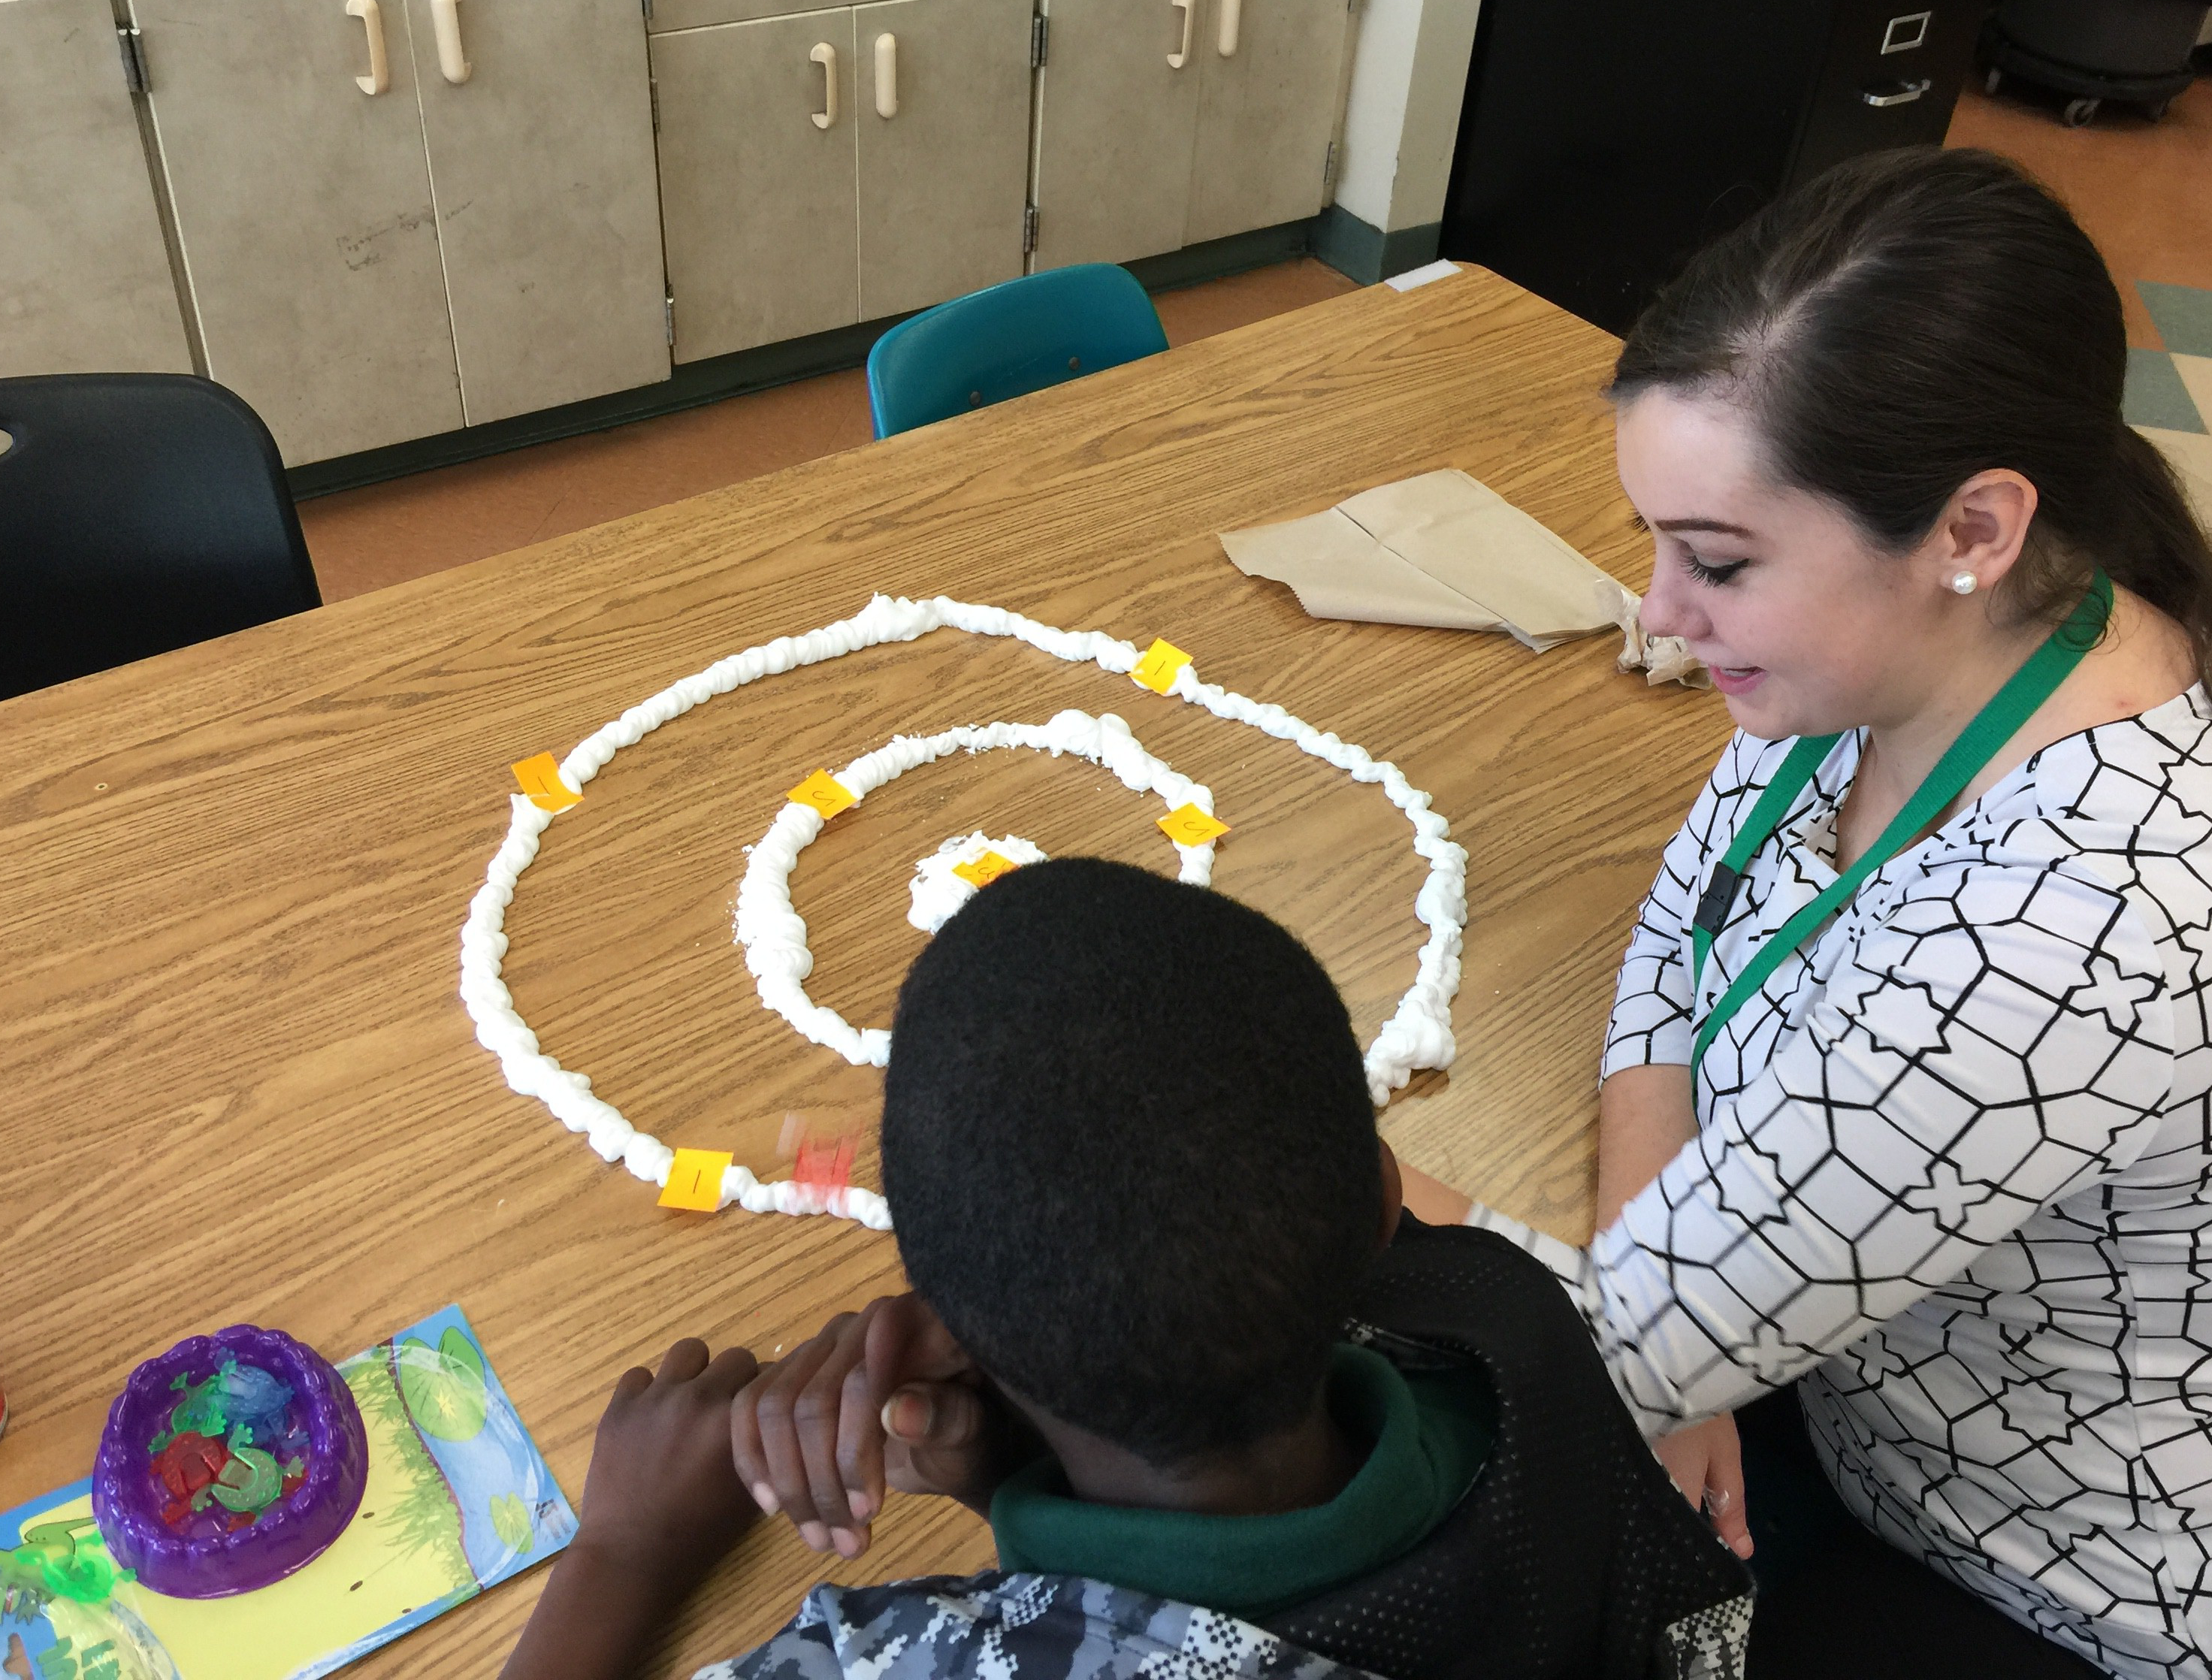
<point>1228,1411</point>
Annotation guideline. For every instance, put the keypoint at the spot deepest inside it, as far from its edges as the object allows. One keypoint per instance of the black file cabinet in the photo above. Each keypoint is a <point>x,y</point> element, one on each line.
<point>1603,141</point>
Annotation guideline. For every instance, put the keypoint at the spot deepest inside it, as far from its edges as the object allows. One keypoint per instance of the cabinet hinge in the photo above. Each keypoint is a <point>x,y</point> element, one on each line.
<point>647,7</point>
<point>1029,228</point>
<point>653,88</point>
<point>1039,41</point>
<point>133,47</point>
<point>668,318</point>
<point>1329,166</point>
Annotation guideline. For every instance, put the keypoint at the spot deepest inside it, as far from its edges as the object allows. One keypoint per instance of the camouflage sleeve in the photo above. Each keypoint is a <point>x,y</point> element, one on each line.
<point>802,1649</point>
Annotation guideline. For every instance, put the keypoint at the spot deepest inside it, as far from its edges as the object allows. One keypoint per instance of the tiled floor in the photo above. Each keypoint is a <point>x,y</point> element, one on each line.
<point>387,534</point>
<point>2143,189</point>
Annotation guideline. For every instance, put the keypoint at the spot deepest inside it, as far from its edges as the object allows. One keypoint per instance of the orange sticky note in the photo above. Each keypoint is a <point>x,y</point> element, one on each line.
<point>1156,670</point>
<point>824,792</point>
<point>695,1180</point>
<point>985,869</point>
<point>1188,825</point>
<point>541,779</point>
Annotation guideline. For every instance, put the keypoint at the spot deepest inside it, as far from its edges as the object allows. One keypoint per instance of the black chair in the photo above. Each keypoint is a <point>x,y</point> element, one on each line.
<point>138,512</point>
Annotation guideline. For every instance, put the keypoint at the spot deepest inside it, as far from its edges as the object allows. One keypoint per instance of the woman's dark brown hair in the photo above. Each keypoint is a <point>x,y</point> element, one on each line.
<point>1915,317</point>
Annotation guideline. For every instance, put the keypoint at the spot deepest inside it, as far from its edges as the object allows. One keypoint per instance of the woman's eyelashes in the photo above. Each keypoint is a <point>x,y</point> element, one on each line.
<point>1718,574</point>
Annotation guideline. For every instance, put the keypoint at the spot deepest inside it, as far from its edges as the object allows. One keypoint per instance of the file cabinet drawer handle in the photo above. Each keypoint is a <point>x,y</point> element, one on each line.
<point>380,69</point>
<point>826,56</point>
<point>453,63</point>
<point>1177,60</point>
<point>1232,18</point>
<point>887,76</point>
<point>1895,93</point>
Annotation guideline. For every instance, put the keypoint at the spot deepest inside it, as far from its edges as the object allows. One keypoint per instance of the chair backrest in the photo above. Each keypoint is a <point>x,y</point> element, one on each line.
<point>1008,340</point>
<point>138,512</point>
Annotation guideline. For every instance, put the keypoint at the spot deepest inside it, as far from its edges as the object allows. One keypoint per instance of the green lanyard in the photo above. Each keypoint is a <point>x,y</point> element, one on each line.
<point>1996,723</point>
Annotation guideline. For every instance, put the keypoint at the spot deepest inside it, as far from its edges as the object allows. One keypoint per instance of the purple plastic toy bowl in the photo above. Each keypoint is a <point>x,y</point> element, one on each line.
<point>127,1497</point>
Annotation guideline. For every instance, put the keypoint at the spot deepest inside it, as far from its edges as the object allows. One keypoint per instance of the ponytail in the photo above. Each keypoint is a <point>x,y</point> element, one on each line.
<point>1910,319</point>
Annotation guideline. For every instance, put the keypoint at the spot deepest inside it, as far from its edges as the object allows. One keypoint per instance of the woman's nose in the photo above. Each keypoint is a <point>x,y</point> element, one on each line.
<point>1668,610</point>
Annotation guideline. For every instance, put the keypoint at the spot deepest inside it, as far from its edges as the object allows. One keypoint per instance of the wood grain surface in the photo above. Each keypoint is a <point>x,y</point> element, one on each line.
<point>239,1084</point>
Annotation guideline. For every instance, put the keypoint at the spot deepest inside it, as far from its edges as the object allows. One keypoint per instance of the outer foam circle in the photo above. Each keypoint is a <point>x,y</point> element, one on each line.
<point>773,935</point>
<point>1417,1035</point>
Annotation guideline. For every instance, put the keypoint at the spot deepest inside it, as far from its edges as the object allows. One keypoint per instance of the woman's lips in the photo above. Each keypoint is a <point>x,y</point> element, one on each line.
<point>1737,679</point>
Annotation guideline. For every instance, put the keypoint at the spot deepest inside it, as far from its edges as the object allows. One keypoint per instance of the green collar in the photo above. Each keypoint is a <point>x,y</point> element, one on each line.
<point>1430,1436</point>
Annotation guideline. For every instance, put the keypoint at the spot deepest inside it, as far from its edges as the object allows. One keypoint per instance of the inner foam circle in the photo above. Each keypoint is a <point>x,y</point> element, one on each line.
<point>773,935</point>
<point>1417,1035</point>
<point>938,891</point>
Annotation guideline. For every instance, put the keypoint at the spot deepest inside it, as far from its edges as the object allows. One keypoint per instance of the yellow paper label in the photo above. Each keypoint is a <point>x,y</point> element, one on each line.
<point>824,792</point>
<point>1156,670</point>
<point>985,869</point>
<point>695,1180</point>
<point>1188,825</point>
<point>540,778</point>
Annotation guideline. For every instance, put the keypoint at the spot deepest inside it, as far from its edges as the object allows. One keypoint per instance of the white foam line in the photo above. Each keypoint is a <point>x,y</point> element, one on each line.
<point>1417,1035</point>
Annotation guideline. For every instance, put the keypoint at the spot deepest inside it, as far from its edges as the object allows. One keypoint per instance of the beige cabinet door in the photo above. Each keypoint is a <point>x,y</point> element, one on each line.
<point>756,189</point>
<point>303,209</point>
<point>84,279</point>
<point>542,169</point>
<point>943,128</point>
<point>1115,124</point>
<point>1267,111</point>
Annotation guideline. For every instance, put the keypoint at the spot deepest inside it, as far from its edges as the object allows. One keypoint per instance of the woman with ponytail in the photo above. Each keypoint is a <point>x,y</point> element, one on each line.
<point>1904,1115</point>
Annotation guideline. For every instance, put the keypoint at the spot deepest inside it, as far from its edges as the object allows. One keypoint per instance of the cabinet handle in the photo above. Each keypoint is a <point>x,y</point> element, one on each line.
<point>1895,93</point>
<point>826,56</point>
<point>887,76</point>
<point>453,63</point>
<point>1177,60</point>
<point>1232,15</point>
<point>379,69</point>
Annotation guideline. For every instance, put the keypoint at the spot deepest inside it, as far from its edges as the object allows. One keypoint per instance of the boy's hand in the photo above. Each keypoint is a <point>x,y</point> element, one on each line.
<point>661,1493</point>
<point>883,1398</point>
<point>662,1504</point>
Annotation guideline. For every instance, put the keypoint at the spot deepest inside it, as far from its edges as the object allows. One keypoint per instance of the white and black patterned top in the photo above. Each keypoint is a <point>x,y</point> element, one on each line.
<point>1954,1160</point>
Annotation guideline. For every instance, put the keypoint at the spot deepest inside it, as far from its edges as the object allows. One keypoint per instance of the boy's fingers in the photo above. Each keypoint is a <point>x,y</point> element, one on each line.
<point>783,1460</point>
<point>633,1382</point>
<point>859,1447</point>
<point>936,1426</point>
<point>730,1371</point>
<point>745,1449</point>
<point>683,1361</point>
<point>818,1414</point>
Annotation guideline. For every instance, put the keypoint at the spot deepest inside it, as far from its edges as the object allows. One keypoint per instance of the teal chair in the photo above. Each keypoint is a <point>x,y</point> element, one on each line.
<point>1007,340</point>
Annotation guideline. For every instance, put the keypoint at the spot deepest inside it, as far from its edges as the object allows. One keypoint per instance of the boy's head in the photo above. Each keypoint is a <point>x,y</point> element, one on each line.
<point>1129,1149</point>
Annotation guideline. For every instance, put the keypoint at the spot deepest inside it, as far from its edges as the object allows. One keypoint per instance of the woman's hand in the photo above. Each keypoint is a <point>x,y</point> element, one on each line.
<point>1707,1461</point>
<point>662,1503</point>
<point>881,1398</point>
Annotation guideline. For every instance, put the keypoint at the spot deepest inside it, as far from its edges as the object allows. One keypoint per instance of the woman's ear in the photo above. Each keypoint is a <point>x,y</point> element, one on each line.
<point>1393,1193</point>
<point>1984,528</point>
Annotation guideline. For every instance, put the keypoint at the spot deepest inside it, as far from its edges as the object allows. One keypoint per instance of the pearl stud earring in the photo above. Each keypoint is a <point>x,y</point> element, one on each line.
<point>1963,583</point>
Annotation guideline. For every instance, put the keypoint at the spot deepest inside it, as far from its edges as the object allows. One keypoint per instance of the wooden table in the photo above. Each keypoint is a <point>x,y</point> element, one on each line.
<point>239,1082</point>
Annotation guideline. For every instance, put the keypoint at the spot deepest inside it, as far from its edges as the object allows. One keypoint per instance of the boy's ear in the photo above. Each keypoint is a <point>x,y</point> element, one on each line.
<point>1393,1193</point>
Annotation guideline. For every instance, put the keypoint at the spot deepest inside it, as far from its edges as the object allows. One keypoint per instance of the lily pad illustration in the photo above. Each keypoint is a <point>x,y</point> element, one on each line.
<point>510,1520</point>
<point>444,1386</point>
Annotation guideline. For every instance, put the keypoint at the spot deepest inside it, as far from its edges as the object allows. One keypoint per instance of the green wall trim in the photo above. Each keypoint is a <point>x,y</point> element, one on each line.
<point>695,383</point>
<point>1364,253</point>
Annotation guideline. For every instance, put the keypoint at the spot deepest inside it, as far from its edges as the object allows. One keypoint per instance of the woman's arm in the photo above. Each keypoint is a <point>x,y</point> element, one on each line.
<point>2004,1042</point>
<point>1644,1118</point>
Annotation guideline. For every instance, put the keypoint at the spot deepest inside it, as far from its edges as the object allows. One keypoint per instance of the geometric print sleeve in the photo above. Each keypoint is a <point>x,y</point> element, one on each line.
<point>2001,1038</point>
<point>1651,1003</point>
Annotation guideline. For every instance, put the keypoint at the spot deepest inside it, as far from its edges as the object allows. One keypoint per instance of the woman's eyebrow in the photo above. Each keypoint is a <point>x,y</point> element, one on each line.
<point>1637,522</point>
<point>1720,526</point>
